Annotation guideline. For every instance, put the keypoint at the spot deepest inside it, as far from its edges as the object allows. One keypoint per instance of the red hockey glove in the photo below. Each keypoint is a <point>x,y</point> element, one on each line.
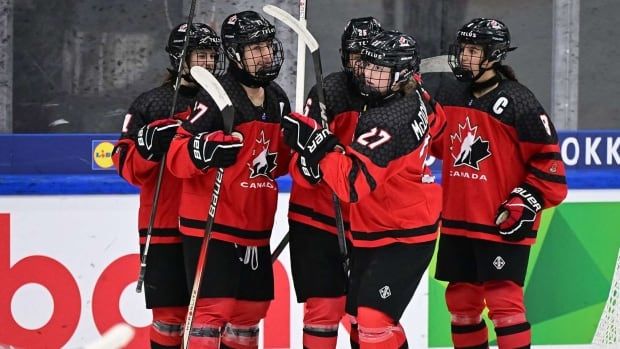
<point>214,149</point>
<point>310,171</point>
<point>154,139</point>
<point>515,217</point>
<point>307,137</point>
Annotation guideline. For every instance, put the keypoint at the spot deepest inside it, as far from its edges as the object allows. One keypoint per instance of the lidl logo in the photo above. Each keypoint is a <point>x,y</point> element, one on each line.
<point>102,155</point>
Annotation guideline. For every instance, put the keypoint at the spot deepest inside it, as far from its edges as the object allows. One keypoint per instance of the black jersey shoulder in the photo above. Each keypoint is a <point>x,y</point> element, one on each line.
<point>510,103</point>
<point>156,103</point>
<point>340,94</point>
<point>276,104</point>
<point>393,129</point>
<point>514,104</point>
<point>340,97</point>
<point>441,85</point>
<point>447,90</point>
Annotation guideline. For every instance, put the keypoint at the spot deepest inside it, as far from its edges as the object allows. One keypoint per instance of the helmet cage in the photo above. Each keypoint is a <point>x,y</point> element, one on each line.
<point>201,37</point>
<point>267,72</point>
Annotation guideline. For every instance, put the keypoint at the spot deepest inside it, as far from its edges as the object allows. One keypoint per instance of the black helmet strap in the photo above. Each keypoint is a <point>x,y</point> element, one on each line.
<point>481,86</point>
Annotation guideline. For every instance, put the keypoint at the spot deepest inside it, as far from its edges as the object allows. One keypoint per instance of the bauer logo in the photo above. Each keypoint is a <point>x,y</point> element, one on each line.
<point>102,154</point>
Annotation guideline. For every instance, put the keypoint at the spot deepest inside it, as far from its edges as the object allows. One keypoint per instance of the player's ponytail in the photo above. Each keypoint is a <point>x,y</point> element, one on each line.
<point>409,86</point>
<point>169,79</point>
<point>506,71</point>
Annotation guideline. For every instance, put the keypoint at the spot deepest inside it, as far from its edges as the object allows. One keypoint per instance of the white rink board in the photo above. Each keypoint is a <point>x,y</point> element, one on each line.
<point>87,233</point>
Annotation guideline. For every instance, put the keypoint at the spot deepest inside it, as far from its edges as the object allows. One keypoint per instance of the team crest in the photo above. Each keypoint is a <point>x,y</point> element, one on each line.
<point>264,162</point>
<point>467,148</point>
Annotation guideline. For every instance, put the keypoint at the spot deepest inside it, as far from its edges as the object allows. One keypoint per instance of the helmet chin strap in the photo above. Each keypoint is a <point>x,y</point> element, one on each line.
<point>481,86</point>
<point>466,75</point>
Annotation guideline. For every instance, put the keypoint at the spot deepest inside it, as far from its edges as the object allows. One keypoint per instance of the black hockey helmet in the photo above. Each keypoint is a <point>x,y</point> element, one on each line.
<point>245,28</point>
<point>491,34</point>
<point>391,49</point>
<point>357,33</point>
<point>201,36</point>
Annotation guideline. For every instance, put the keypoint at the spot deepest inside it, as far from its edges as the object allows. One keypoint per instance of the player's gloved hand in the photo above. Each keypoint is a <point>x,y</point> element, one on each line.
<point>516,216</point>
<point>154,139</point>
<point>311,171</point>
<point>307,137</point>
<point>215,149</point>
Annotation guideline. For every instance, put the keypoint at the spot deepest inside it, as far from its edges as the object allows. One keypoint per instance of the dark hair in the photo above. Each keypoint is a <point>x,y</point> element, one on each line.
<point>169,78</point>
<point>506,71</point>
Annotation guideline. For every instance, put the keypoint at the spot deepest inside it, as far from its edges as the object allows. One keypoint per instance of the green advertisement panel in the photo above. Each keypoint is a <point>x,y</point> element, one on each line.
<point>570,272</point>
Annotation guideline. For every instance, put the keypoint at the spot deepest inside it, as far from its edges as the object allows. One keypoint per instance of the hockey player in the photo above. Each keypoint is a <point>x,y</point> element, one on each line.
<point>237,284</point>
<point>501,168</point>
<point>394,206</point>
<point>316,262</point>
<point>146,135</point>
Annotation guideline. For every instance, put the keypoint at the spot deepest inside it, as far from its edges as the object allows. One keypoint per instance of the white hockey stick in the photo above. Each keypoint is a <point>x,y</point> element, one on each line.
<point>116,337</point>
<point>437,64</point>
<point>301,62</point>
<point>207,81</point>
<point>213,87</point>
<point>313,46</point>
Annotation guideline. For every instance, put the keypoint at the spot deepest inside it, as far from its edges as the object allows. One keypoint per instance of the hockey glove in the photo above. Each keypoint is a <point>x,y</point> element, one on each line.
<point>307,137</point>
<point>154,139</point>
<point>516,216</point>
<point>310,171</point>
<point>214,149</point>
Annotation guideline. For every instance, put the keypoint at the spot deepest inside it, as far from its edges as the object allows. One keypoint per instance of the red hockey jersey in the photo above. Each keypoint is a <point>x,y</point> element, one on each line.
<point>313,205</point>
<point>491,145</point>
<point>383,177</point>
<point>152,105</point>
<point>249,192</point>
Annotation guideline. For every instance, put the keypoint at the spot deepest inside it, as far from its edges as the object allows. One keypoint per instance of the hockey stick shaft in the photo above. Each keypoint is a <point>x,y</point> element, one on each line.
<point>428,65</point>
<point>301,61</point>
<point>280,248</point>
<point>342,241</point>
<point>216,91</point>
<point>312,44</point>
<point>162,164</point>
<point>299,98</point>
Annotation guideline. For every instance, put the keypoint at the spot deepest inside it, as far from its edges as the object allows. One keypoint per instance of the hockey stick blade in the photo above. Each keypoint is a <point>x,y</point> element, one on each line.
<point>437,64</point>
<point>115,338</point>
<point>213,87</point>
<point>294,24</point>
<point>502,217</point>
